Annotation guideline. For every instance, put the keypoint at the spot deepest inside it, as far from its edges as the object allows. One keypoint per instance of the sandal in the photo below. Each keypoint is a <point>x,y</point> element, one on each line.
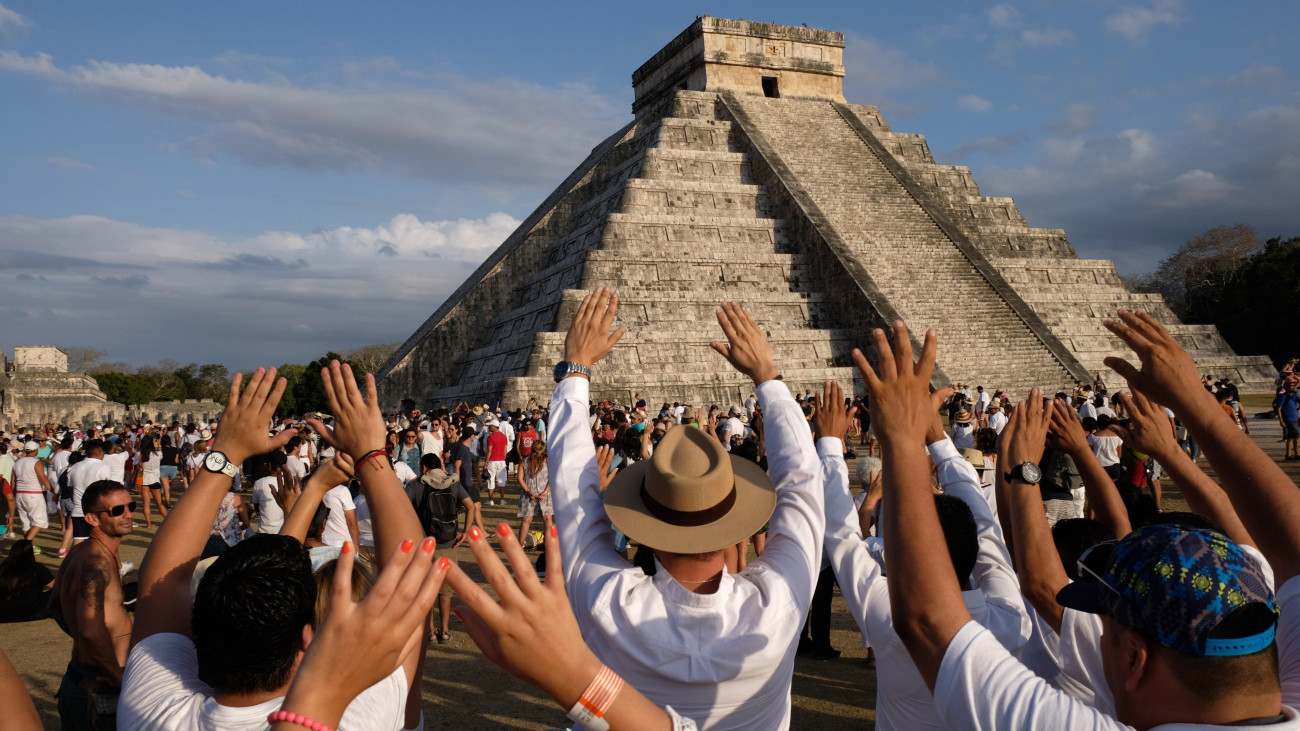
<point>443,637</point>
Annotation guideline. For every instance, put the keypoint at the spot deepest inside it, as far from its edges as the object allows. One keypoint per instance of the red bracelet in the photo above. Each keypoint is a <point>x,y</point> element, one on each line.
<point>370,455</point>
<point>296,719</point>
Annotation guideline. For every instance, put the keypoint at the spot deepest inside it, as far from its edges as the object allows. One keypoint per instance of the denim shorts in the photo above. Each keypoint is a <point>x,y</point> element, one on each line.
<point>167,471</point>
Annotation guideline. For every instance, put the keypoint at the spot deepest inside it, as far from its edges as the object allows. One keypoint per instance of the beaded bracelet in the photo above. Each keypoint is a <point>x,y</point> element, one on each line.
<point>296,719</point>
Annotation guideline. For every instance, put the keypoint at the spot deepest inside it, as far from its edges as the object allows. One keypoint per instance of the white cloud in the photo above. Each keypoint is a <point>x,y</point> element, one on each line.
<point>1192,188</point>
<point>68,164</point>
<point>11,22</point>
<point>992,144</point>
<point>238,300</point>
<point>973,103</point>
<point>1004,16</point>
<point>875,65</point>
<point>1076,118</point>
<point>444,127</point>
<point>1134,22</point>
<point>1046,37</point>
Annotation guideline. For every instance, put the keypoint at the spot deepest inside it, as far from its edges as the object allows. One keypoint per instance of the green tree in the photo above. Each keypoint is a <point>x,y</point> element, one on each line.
<point>309,390</point>
<point>1255,307</point>
<point>125,388</point>
<point>291,373</point>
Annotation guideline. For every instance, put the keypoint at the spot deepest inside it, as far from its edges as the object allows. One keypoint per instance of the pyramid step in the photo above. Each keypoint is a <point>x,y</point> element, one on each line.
<point>677,164</point>
<point>694,134</point>
<point>694,228</point>
<point>702,273</point>
<point>693,197</point>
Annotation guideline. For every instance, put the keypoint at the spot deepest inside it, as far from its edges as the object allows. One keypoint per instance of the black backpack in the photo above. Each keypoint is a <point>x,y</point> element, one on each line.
<point>438,510</point>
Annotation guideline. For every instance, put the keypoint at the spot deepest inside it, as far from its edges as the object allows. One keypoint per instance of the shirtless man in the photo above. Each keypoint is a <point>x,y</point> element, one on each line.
<point>87,604</point>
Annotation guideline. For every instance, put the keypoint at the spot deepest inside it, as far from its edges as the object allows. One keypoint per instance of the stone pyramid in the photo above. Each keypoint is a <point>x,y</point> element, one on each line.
<point>745,175</point>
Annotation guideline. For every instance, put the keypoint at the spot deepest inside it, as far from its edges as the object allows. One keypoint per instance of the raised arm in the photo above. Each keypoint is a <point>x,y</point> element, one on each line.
<point>332,472</point>
<point>1066,434</point>
<point>1037,563</point>
<point>1149,433</point>
<point>164,602</point>
<point>1265,498</point>
<point>924,595</point>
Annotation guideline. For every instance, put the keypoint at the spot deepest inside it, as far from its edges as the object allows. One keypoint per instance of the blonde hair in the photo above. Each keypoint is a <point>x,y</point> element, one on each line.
<point>536,458</point>
<point>363,578</point>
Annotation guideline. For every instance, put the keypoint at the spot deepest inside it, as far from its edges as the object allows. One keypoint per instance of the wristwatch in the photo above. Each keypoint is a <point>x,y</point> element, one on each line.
<point>565,367</point>
<point>217,462</point>
<point>1026,472</point>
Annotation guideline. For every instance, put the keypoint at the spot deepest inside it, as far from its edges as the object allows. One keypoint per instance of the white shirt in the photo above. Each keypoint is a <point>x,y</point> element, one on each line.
<point>339,501</point>
<point>151,470</point>
<point>723,659</point>
<point>430,443</point>
<point>161,690</point>
<point>271,515</point>
<point>509,431</point>
<point>365,529</point>
<point>25,479</point>
<point>117,466</point>
<point>404,471</point>
<point>297,465</point>
<point>903,701</point>
<point>58,465</point>
<point>1106,448</point>
<point>1086,409</point>
<point>734,428</point>
<point>998,421</point>
<point>81,476</point>
<point>981,403</point>
<point>980,686</point>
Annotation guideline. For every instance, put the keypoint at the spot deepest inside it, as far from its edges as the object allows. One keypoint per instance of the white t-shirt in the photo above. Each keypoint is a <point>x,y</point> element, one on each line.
<point>981,403</point>
<point>1106,448</point>
<point>25,479</point>
<point>734,428</point>
<point>1086,409</point>
<point>430,443</point>
<point>404,471</point>
<point>161,690</point>
<point>81,476</point>
<point>339,501</point>
<point>271,518</point>
<point>998,421</point>
<point>297,465</point>
<point>365,529</point>
<point>58,465</point>
<point>980,686</point>
<point>150,466</point>
<point>117,466</point>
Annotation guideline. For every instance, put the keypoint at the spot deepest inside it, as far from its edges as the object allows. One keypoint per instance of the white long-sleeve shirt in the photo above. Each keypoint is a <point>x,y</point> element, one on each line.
<point>723,659</point>
<point>902,699</point>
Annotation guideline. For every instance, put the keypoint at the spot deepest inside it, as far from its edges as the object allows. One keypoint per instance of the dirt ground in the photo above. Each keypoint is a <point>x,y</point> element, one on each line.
<point>463,690</point>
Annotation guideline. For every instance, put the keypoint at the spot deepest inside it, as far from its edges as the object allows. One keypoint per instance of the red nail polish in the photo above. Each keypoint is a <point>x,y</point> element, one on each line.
<point>428,545</point>
<point>503,530</point>
<point>347,547</point>
<point>475,533</point>
<point>444,563</point>
<point>407,545</point>
<point>555,533</point>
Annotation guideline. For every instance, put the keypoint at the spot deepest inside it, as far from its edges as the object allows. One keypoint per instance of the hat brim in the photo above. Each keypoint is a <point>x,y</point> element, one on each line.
<point>1082,596</point>
<point>755,501</point>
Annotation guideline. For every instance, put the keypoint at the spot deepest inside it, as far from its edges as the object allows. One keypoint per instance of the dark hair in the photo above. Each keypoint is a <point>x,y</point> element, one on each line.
<point>1182,519</point>
<point>960,533</point>
<point>431,461</point>
<point>986,440</point>
<point>1103,421</point>
<point>147,448</point>
<point>293,444</point>
<point>1073,536</point>
<point>249,612</point>
<point>18,570</point>
<point>1141,507</point>
<point>1217,678</point>
<point>166,440</point>
<point>93,445</point>
<point>93,498</point>
<point>67,442</point>
<point>1088,423</point>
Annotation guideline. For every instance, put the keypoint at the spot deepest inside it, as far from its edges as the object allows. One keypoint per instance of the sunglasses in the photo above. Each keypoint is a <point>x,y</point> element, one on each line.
<point>117,510</point>
<point>1087,572</point>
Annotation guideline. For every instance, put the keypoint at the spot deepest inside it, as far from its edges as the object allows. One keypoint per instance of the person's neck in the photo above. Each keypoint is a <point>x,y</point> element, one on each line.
<point>1191,709</point>
<point>111,543</point>
<point>244,700</point>
<point>700,575</point>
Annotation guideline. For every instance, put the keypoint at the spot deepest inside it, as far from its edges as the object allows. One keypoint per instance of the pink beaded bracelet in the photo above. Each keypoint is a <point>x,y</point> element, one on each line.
<point>296,719</point>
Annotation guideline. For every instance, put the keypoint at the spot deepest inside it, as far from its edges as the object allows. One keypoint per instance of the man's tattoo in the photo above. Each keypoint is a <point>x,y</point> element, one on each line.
<point>94,587</point>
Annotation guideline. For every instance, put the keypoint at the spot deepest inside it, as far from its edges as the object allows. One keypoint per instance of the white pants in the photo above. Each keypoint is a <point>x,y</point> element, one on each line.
<point>32,510</point>
<point>496,475</point>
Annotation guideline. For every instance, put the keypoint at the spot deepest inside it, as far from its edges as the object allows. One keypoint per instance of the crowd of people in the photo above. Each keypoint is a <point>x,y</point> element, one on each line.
<point>1008,563</point>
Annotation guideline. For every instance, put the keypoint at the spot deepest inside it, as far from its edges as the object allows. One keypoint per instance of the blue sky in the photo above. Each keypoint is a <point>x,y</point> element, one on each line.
<point>259,182</point>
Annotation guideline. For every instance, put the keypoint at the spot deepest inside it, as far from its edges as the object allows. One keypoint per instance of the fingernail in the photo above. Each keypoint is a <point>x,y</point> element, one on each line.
<point>428,545</point>
<point>407,545</point>
<point>444,563</point>
<point>347,547</point>
<point>503,530</point>
<point>475,533</point>
<point>555,533</point>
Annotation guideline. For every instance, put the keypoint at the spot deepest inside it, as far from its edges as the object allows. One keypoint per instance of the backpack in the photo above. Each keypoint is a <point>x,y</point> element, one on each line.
<point>437,511</point>
<point>65,490</point>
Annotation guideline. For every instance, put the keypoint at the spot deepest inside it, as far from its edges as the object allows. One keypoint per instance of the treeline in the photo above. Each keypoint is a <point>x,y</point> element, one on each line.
<point>170,381</point>
<point>1228,277</point>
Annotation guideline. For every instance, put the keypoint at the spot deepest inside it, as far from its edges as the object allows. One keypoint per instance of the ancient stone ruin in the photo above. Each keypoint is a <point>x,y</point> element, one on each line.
<point>746,175</point>
<point>36,389</point>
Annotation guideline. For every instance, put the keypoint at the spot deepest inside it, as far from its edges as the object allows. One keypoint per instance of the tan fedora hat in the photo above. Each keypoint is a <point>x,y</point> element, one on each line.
<point>692,496</point>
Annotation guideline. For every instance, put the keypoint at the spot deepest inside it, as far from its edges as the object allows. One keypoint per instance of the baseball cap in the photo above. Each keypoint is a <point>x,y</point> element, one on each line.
<point>1175,585</point>
<point>31,446</point>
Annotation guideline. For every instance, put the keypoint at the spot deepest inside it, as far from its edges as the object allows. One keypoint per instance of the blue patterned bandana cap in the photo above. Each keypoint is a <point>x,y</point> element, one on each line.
<point>1176,584</point>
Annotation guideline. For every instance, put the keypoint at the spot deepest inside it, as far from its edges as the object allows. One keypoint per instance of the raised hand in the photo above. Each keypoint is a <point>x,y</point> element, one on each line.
<point>360,644</point>
<point>940,397</point>
<point>901,403</point>
<point>358,425</point>
<point>1065,432</point>
<point>604,458</point>
<point>1148,430</point>
<point>337,471</point>
<point>829,416</point>
<point>1025,435</point>
<point>243,425</point>
<point>1168,374</point>
<point>589,337</point>
<point>746,349</point>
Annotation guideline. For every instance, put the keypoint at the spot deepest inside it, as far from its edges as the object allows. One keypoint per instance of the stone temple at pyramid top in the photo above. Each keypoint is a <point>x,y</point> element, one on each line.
<point>745,175</point>
<point>719,54</point>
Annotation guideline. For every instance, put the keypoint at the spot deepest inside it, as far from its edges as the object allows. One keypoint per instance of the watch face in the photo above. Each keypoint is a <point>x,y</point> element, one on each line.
<point>215,461</point>
<point>1030,472</point>
<point>561,370</point>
